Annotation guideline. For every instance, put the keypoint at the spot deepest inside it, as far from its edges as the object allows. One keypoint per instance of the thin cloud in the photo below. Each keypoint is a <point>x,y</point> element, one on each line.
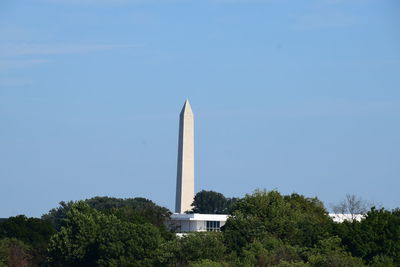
<point>109,2</point>
<point>92,1</point>
<point>11,50</point>
<point>15,55</point>
<point>12,64</point>
<point>121,2</point>
<point>14,82</point>
<point>244,1</point>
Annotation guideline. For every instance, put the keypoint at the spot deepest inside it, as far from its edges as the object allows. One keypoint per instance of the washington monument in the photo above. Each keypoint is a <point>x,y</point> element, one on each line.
<point>185,176</point>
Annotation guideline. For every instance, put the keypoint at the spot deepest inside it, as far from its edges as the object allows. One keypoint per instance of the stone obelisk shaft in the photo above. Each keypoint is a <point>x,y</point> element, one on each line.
<point>185,177</point>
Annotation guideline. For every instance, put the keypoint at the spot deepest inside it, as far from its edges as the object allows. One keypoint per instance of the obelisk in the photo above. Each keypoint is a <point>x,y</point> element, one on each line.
<point>185,176</point>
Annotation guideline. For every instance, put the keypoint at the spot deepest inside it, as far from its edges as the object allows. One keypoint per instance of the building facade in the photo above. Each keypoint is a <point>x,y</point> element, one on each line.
<point>195,222</point>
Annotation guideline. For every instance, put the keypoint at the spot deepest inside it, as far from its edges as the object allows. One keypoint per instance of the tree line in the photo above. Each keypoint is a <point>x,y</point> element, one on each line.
<point>266,228</point>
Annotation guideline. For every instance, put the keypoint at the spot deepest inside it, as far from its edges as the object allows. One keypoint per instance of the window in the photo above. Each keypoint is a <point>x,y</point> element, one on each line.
<point>213,226</point>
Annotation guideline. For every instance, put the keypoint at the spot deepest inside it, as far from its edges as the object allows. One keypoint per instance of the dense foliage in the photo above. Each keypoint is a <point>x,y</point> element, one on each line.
<point>92,238</point>
<point>132,209</point>
<point>210,202</point>
<point>375,237</point>
<point>264,229</point>
<point>19,234</point>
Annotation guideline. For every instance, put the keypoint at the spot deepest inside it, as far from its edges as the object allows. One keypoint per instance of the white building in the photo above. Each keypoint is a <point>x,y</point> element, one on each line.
<point>195,222</point>
<point>339,218</point>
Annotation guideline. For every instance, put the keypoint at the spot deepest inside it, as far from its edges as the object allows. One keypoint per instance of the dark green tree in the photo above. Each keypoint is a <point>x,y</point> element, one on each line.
<point>376,235</point>
<point>34,232</point>
<point>14,252</point>
<point>58,215</point>
<point>132,209</point>
<point>210,202</point>
<point>194,247</point>
<point>270,251</point>
<point>312,221</point>
<point>294,219</point>
<point>330,253</point>
<point>92,238</point>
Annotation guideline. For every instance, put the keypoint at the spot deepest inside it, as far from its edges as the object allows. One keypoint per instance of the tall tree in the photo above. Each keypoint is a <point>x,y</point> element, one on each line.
<point>194,247</point>
<point>92,238</point>
<point>57,216</point>
<point>376,235</point>
<point>351,206</point>
<point>294,219</point>
<point>211,202</point>
<point>14,252</point>
<point>132,209</point>
<point>33,232</point>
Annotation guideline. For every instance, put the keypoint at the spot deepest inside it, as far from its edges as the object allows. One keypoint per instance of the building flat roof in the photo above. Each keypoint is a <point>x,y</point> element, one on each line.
<point>223,217</point>
<point>199,217</point>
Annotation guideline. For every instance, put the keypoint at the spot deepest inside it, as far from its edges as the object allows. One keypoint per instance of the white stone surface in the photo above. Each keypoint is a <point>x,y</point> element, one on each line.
<point>195,222</point>
<point>185,175</point>
<point>199,216</point>
<point>339,218</point>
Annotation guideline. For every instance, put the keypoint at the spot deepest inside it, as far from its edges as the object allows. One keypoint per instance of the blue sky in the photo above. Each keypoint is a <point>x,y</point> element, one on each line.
<point>299,96</point>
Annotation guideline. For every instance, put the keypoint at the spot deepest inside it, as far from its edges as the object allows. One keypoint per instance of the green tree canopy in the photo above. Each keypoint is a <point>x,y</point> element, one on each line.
<point>32,231</point>
<point>265,228</point>
<point>376,235</point>
<point>92,238</point>
<point>132,209</point>
<point>211,202</point>
<point>194,247</point>
<point>295,219</point>
<point>329,252</point>
<point>14,252</point>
